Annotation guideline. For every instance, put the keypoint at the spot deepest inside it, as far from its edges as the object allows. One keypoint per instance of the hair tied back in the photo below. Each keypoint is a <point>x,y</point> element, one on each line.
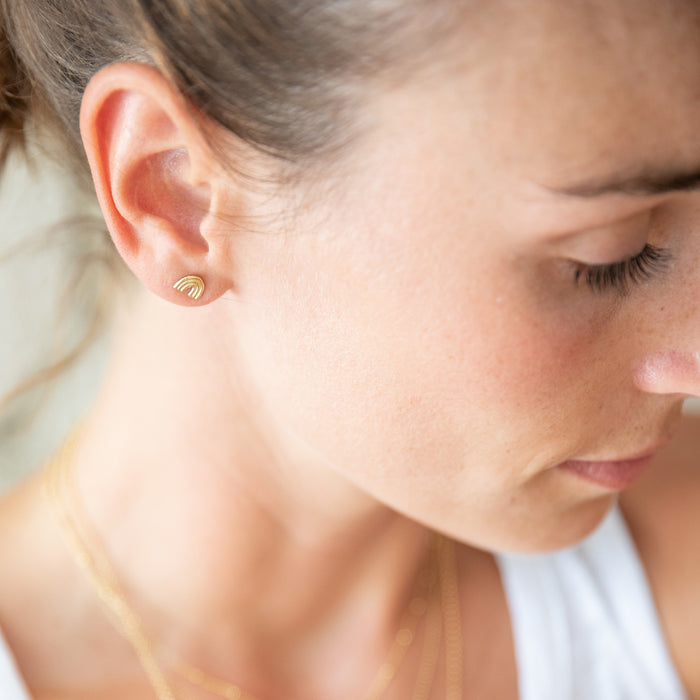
<point>15,95</point>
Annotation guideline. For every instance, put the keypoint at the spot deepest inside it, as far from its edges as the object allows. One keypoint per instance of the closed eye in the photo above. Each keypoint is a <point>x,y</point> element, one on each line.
<point>621,275</point>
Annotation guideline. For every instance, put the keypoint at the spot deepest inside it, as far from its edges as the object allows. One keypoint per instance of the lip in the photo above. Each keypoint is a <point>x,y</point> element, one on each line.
<point>615,475</point>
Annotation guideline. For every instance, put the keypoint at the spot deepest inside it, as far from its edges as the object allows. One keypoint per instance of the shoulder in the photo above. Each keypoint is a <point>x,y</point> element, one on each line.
<point>11,581</point>
<point>22,585</point>
<point>663,514</point>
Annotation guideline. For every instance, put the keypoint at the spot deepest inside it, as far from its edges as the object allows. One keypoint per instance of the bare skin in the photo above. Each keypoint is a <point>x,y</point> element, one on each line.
<point>662,508</point>
<point>663,513</point>
<point>409,346</point>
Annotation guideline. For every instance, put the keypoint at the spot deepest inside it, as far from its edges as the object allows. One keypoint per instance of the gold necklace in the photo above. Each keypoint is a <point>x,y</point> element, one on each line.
<point>101,575</point>
<point>427,667</point>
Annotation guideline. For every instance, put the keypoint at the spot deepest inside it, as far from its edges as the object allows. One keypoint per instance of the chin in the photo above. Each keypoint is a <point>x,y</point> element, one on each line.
<point>571,527</point>
<point>533,531</point>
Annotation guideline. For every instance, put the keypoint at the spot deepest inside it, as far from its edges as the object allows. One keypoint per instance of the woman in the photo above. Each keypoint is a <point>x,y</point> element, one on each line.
<point>401,268</point>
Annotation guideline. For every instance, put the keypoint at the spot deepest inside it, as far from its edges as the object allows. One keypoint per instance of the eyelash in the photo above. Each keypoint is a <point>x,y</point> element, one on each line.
<point>621,275</point>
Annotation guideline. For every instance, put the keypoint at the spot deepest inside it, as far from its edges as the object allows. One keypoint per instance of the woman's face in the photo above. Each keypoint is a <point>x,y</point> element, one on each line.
<point>431,326</point>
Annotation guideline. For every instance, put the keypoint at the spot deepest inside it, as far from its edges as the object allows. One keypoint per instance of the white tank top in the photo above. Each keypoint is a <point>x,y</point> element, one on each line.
<point>11,686</point>
<point>584,622</point>
<point>583,619</point>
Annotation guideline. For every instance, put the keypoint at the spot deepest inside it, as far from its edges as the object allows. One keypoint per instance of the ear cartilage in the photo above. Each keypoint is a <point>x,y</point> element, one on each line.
<point>191,285</point>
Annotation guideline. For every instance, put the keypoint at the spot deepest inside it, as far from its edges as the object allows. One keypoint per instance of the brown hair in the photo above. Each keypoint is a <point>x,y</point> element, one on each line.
<point>14,98</point>
<point>278,74</point>
<point>282,76</point>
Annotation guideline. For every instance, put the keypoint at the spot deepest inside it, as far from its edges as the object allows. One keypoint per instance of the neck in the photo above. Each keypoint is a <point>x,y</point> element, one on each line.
<point>233,542</point>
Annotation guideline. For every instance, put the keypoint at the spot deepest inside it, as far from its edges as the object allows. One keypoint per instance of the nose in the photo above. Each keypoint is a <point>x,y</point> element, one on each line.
<point>667,337</point>
<point>670,372</point>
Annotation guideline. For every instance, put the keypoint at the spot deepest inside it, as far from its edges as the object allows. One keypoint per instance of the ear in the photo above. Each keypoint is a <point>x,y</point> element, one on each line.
<point>157,181</point>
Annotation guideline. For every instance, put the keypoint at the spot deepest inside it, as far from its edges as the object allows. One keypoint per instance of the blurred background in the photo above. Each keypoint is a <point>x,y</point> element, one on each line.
<point>49,260</point>
<point>51,246</point>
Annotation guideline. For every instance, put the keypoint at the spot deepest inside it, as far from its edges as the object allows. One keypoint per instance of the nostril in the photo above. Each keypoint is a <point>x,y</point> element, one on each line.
<point>670,372</point>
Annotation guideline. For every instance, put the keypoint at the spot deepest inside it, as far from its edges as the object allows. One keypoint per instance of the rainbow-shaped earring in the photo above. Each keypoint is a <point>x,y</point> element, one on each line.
<point>191,285</point>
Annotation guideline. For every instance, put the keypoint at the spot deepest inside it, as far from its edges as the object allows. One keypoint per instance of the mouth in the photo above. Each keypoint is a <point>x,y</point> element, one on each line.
<point>614,475</point>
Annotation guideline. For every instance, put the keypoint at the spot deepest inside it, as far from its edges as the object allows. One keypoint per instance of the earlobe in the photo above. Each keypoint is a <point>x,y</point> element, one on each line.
<point>154,175</point>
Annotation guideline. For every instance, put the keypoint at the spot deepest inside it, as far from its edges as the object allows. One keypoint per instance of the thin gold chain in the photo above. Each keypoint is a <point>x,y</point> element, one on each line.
<point>101,575</point>
<point>432,643</point>
<point>417,609</point>
<point>449,590</point>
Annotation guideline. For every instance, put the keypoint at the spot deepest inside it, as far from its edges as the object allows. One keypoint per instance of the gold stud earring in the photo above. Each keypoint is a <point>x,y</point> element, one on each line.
<point>191,285</point>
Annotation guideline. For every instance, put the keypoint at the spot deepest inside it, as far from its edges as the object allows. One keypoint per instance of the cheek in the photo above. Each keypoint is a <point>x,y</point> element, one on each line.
<point>388,355</point>
<point>427,375</point>
<point>544,377</point>
<point>433,411</point>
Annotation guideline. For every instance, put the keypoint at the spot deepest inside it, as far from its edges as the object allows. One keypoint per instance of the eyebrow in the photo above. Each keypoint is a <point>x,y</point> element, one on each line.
<point>642,184</point>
